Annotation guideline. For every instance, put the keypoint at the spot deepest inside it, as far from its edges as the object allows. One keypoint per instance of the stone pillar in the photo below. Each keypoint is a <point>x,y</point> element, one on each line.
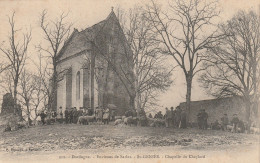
<point>69,89</point>
<point>86,90</point>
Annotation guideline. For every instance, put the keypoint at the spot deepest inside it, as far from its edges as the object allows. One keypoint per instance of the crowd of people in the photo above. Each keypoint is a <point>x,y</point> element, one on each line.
<point>71,115</point>
<point>173,118</point>
<point>235,125</point>
<point>176,118</point>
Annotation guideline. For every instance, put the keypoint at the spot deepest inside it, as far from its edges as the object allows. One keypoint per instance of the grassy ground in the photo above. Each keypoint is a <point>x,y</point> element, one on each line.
<point>76,137</point>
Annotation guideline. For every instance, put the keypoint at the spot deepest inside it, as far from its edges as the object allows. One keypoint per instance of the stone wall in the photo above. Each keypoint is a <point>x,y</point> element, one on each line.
<point>216,108</point>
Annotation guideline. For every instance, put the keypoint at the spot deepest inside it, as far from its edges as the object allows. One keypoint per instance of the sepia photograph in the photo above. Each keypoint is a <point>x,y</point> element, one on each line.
<point>130,81</point>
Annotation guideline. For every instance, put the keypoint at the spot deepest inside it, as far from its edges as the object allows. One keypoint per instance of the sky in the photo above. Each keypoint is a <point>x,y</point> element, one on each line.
<point>88,12</point>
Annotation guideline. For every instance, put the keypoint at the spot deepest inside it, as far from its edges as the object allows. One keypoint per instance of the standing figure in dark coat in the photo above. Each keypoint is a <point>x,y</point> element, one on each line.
<point>67,115</point>
<point>142,118</point>
<point>75,115</point>
<point>234,122</point>
<point>90,111</point>
<point>80,112</point>
<point>199,119</point>
<point>71,115</point>
<point>183,119</point>
<point>204,115</point>
<point>43,116</point>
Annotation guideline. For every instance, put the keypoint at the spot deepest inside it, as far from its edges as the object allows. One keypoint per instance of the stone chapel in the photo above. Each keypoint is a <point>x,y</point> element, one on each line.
<point>89,63</point>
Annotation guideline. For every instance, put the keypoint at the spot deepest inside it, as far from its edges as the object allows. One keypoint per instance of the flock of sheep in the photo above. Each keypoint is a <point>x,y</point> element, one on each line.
<point>129,121</point>
<point>134,121</point>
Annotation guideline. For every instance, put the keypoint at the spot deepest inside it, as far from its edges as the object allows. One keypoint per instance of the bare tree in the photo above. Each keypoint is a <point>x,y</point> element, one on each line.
<point>55,34</point>
<point>142,73</point>
<point>232,67</point>
<point>43,92</point>
<point>151,74</point>
<point>184,35</point>
<point>16,54</point>
<point>4,67</point>
<point>27,91</point>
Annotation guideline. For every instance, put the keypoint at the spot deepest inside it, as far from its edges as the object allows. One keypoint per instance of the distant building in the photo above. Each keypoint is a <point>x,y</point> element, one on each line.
<point>89,80</point>
<point>216,108</point>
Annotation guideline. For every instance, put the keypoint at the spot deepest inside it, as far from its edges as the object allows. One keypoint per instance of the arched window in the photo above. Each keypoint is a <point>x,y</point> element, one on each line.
<point>78,85</point>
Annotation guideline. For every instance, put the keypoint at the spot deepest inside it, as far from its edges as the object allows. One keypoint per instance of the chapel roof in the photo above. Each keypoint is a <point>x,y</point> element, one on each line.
<point>90,33</point>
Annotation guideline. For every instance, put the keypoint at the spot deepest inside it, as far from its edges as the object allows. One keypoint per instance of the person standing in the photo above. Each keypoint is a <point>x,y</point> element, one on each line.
<point>71,115</point>
<point>204,115</point>
<point>67,116</point>
<point>75,115</point>
<point>234,122</point>
<point>80,112</point>
<point>106,116</point>
<point>199,119</point>
<point>43,116</point>
<point>224,122</point>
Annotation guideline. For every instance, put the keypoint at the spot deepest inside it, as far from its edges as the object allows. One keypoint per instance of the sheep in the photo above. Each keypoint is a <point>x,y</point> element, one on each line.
<point>155,122</point>
<point>130,121</point>
<point>229,127</point>
<point>118,121</point>
<point>254,130</point>
<point>85,120</point>
<point>118,117</point>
